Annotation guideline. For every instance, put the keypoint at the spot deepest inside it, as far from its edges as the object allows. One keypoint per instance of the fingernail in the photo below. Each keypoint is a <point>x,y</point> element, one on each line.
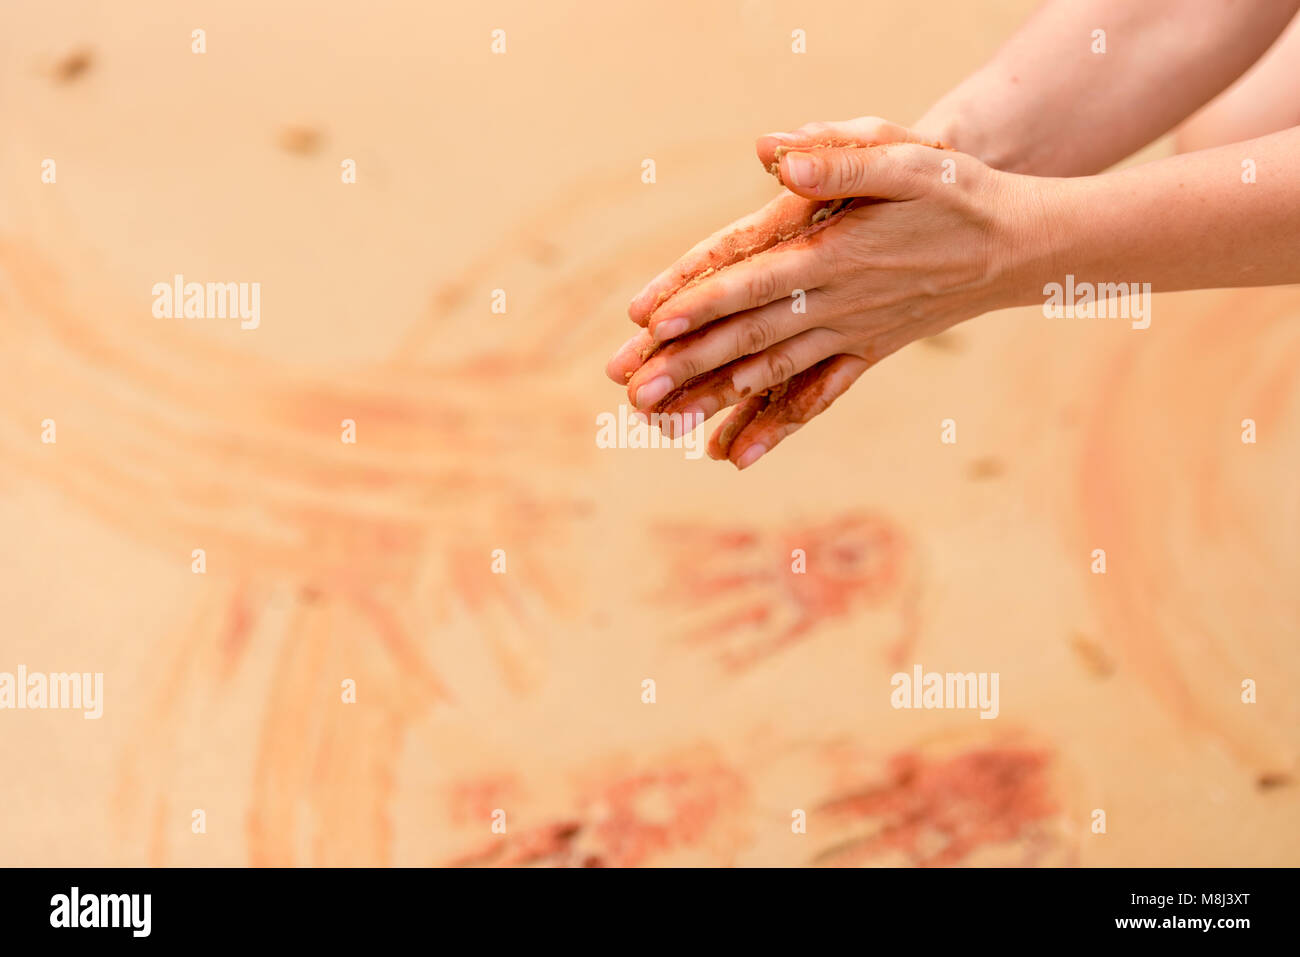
<point>692,418</point>
<point>653,391</point>
<point>669,329</point>
<point>623,356</point>
<point>751,455</point>
<point>800,169</point>
<point>779,136</point>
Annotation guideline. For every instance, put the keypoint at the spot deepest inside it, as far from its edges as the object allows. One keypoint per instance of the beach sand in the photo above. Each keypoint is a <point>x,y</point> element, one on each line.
<point>372,562</point>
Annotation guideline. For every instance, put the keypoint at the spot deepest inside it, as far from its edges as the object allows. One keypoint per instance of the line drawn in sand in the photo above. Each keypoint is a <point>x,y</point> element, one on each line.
<point>180,443</point>
<point>178,440</point>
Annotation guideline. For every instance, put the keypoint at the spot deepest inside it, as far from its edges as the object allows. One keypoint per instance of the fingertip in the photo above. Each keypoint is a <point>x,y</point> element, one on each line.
<point>617,372</point>
<point>637,310</point>
<point>666,329</point>
<point>643,303</point>
<point>615,366</point>
<point>752,454</point>
<point>629,357</point>
<point>652,391</point>
<point>801,172</point>
<point>767,145</point>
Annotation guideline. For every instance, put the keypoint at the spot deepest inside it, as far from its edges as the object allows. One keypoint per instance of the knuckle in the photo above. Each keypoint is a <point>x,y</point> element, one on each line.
<point>682,365</point>
<point>712,296</point>
<point>821,401</point>
<point>831,260</point>
<point>755,335</point>
<point>847,173</point>
<point>873,127</point>
<point>762,287</point>
<point>813,403</point>
<point>780,366</point>
<point>915,158</point>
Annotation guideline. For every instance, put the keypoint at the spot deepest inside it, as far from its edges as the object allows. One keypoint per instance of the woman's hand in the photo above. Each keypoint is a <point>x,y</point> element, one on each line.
<point>803,304</point>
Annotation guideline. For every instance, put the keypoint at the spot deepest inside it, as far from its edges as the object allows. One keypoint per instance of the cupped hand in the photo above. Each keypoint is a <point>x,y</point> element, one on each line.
<point>872,248</point>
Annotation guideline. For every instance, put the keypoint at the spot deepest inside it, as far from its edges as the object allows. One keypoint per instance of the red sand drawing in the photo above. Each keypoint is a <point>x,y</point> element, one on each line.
<point>854,562</point>
<point>940,811</point>
<point>629,819</point>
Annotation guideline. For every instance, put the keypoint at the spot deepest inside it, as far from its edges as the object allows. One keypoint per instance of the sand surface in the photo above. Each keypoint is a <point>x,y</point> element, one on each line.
<point>372,562</point>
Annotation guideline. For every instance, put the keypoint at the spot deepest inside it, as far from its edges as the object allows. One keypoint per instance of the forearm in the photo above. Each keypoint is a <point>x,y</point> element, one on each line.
<point>1049,106</point>
<point>1187,222</point>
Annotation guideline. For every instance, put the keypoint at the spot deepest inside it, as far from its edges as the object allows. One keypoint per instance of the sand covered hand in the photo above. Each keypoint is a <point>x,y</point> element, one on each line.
<point>881,240</point>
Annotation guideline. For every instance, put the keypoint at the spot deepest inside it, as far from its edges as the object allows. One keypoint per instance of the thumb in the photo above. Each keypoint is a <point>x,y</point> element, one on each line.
<point>893,171</point>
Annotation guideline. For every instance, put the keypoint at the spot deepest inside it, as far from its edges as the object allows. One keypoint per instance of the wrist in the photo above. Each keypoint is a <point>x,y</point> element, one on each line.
<point>956,122</point>
<point>944,125</point>
<point>955,125</point>
<point>1030,241</point>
